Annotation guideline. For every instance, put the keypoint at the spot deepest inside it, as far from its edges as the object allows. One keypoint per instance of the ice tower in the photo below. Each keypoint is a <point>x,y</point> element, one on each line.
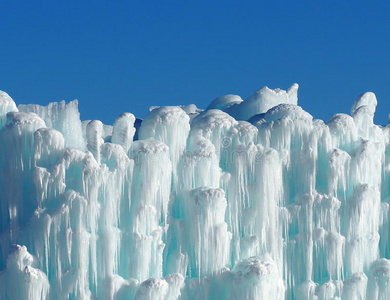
<point>248,199</point>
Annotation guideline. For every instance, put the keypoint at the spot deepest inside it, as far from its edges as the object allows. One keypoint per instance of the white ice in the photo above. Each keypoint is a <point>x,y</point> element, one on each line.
<point>247,199</point>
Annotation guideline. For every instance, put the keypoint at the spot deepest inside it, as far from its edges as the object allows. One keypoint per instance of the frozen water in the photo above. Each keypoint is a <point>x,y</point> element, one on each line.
<point>261,101</point>
<point>63,117</point>
<point>249,199</point>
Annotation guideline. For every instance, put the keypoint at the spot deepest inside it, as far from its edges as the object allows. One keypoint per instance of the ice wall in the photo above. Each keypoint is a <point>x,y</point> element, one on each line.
<point>249,199</point>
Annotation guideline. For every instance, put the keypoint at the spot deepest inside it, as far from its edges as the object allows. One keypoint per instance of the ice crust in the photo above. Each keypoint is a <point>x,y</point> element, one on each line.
<point>249,199</point>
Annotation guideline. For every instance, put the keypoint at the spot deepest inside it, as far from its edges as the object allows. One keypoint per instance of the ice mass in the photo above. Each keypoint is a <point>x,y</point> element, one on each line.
<point>249,199</point>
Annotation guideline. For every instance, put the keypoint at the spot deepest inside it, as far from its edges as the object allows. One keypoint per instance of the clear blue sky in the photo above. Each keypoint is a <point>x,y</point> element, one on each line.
<point>128,55</point>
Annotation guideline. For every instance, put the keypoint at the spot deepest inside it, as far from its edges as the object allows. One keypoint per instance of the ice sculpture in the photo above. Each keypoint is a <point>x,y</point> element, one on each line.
<point>249,199</point>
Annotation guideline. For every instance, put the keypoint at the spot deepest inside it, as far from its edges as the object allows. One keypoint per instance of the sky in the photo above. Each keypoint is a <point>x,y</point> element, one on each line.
<point>125,56</point>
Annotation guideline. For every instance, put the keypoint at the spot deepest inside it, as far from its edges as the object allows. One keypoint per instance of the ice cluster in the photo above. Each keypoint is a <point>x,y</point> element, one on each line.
<point>249,199</point>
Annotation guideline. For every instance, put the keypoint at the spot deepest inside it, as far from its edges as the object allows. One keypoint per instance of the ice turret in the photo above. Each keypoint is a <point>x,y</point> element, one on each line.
<point>124,131</point>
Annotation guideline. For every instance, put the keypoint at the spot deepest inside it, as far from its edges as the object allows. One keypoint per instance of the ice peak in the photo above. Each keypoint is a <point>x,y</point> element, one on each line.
<point>292,111</point>
<point>7,104</point>
<point>366,99</point>
<point>262,100</point>
<point>224,102</point>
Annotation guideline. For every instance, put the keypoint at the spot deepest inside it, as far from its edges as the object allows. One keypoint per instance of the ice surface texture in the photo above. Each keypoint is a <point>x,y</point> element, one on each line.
<point>192,204</point>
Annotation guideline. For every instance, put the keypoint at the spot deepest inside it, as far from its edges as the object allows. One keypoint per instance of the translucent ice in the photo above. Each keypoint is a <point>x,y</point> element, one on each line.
<point>63,117</point>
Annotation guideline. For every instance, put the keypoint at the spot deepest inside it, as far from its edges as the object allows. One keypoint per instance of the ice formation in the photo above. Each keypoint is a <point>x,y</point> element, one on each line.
<point>249,199</point>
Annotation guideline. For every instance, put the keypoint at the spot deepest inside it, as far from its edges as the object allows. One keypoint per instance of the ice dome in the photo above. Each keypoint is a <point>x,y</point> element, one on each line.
<point>261,101</point>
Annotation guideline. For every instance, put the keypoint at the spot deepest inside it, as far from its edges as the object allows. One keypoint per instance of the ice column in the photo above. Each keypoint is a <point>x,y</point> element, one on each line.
<point>94,138</point>
<point>215,126</point>
<point>17,197</point>
<point>149,208</point>
<point>256,278</point>
<point>207,241</point>
<point>62,116</point>
<point>170,125</point>
<point>124,131</point>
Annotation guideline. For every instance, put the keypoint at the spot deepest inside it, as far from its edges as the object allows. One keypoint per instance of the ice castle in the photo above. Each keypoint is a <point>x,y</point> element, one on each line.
<point>249,199</point>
